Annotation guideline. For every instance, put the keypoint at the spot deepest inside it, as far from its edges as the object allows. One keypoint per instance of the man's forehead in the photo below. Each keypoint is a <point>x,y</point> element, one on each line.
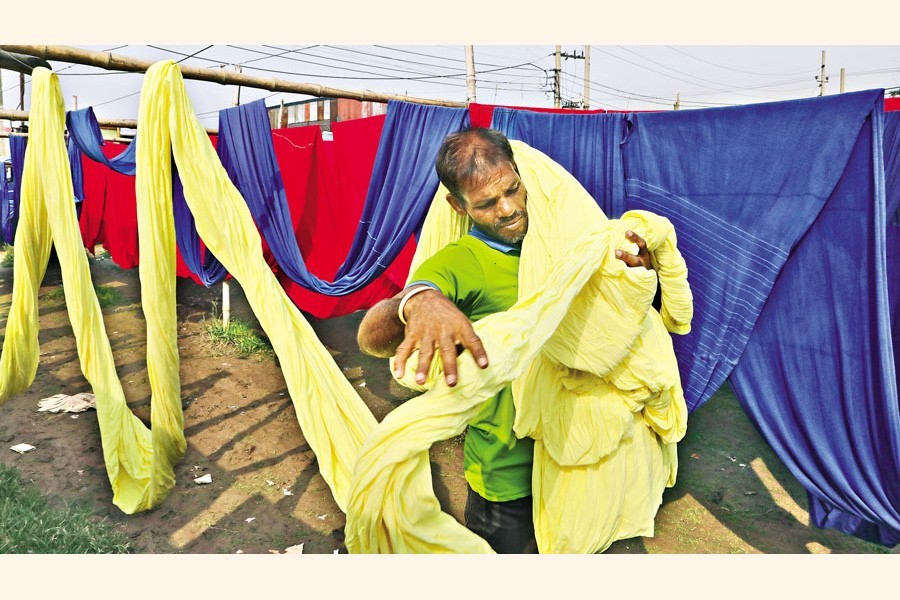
<point>491,180</point>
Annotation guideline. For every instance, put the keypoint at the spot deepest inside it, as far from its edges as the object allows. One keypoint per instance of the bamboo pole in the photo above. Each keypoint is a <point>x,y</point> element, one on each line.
<point>115,62</point>
<point>21,115</point>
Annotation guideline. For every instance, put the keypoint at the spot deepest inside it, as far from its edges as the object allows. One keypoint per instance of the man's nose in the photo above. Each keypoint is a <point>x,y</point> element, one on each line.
<point>506,207</point>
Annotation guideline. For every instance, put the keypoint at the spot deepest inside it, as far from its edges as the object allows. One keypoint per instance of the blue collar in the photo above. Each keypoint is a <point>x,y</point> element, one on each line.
<point>495,244</point>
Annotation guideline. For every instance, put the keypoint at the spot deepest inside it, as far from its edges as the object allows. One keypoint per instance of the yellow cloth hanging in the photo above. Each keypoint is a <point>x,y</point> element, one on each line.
<point>378,473</point>
<point>139,462</point>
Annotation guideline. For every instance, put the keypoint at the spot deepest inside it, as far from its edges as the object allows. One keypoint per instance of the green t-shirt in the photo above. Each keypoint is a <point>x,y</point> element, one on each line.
<point>482,280</point>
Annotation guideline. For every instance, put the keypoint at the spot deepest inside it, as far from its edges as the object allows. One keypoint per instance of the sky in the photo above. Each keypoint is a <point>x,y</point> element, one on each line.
<point>621,77</point>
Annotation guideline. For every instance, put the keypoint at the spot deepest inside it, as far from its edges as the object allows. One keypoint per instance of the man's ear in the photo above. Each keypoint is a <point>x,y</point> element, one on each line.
<point>457,204</point>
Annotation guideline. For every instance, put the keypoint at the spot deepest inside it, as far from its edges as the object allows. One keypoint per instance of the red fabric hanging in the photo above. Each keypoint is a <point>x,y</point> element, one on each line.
<point>326,185</point>
<point>109,212</point>
<point>90,222</point>
<point>891,104</point>
<point>481,114</point>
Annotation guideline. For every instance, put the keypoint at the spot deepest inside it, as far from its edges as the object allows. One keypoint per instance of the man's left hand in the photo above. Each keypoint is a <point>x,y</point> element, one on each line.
<point>642,258</point>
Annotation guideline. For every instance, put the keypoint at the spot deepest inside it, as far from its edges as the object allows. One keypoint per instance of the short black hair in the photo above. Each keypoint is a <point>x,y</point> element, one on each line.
<point>465,154</point>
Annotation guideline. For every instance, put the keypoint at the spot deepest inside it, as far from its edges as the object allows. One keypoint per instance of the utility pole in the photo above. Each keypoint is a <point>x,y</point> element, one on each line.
<point>842,79</point>
<point>470,74</point>
<point>556,79</point>
<point>21,91</point>
<point>572,103</point>
<point>587,76</point>
<point>822,79</point>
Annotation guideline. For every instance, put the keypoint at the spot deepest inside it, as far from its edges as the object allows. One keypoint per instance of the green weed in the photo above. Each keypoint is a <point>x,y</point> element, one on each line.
<point>7,260</point>
<point>29,525</point>
<point>107,295</point>
<point>239,337</point>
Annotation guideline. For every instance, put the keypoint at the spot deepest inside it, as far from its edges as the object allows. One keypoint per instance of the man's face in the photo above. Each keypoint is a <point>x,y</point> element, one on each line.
<point>496,203</point>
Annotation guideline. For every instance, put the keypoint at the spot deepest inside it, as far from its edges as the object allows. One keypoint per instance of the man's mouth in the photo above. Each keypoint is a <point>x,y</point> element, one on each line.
<point>511,224</point>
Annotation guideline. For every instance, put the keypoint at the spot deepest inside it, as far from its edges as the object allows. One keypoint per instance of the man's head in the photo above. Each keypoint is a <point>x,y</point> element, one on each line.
<point>478,169</point>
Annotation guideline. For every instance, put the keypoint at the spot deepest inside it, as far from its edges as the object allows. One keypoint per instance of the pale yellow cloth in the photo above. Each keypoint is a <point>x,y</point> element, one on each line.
<point>602,395</point>
<point>139,462</point>
<point>379,473</point>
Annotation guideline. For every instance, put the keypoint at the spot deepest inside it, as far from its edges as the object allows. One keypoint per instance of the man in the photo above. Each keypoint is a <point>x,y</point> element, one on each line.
<point>466,281</point>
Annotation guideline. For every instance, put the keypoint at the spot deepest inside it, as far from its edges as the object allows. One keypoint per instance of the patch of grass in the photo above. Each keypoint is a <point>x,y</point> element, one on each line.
<point>7,260</point>
<point>29,525</point>
<point>107,295</point>
<point>239,337</point>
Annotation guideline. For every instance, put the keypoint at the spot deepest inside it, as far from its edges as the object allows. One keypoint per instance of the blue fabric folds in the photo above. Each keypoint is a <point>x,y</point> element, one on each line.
<point>85,137</point>
<point>400,191</point>
<point>76,168</point>
<point>9,202</point>
<point>781,216</point>
<point>85,131</point>
<point>587,145</point>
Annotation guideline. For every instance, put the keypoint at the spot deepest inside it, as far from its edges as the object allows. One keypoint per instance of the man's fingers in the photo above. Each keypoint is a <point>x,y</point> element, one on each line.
<point>628,258</point>
<point>635,238</point>
<point>426,351</point>
<point>448,356</point>
<point>400,358</point>
<point>473,344</point>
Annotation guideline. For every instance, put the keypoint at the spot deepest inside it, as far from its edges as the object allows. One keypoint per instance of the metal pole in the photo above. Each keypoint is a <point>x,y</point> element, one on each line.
<point>470,74</point>
<point>587,76</point>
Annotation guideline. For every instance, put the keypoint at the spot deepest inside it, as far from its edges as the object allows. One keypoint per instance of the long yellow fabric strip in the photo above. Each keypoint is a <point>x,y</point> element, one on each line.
<point>139,463</point>
<point>378,473</point>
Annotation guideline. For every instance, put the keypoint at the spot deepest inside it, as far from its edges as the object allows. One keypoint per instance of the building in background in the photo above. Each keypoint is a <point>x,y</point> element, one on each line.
<point>322,112</point>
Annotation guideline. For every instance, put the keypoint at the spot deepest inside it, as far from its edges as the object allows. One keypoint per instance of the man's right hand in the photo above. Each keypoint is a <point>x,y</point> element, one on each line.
<point>433,322</point>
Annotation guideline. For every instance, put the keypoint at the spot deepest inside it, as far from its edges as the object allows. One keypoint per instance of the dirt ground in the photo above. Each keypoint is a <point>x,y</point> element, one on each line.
<point>733,494</point>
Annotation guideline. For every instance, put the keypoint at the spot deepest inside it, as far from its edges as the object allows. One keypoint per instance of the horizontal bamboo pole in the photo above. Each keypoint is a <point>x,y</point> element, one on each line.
<point>115,62</point>
<point>19,115</point>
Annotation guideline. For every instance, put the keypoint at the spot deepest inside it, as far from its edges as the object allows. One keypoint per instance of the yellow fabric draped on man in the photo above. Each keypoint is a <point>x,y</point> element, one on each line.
<point>606,418</point>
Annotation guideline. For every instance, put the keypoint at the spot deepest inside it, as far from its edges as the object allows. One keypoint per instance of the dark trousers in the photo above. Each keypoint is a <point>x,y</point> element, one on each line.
<point>507,526</point>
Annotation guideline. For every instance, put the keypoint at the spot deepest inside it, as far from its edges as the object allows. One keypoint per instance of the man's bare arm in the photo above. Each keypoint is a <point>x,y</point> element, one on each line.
<point>381,331</point>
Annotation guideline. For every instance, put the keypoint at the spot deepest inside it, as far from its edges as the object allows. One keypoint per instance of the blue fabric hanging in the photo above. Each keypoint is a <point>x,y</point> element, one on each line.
<point>85,136</point>
<point>587,145</point>
<point>839,427</point>
<point>83,128</point>
<point>402,186</point>
<point>741,185</point>
<point>76,168</point>
<point>892,197</point>
<point>9,209</point>
<point>793,191</point>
